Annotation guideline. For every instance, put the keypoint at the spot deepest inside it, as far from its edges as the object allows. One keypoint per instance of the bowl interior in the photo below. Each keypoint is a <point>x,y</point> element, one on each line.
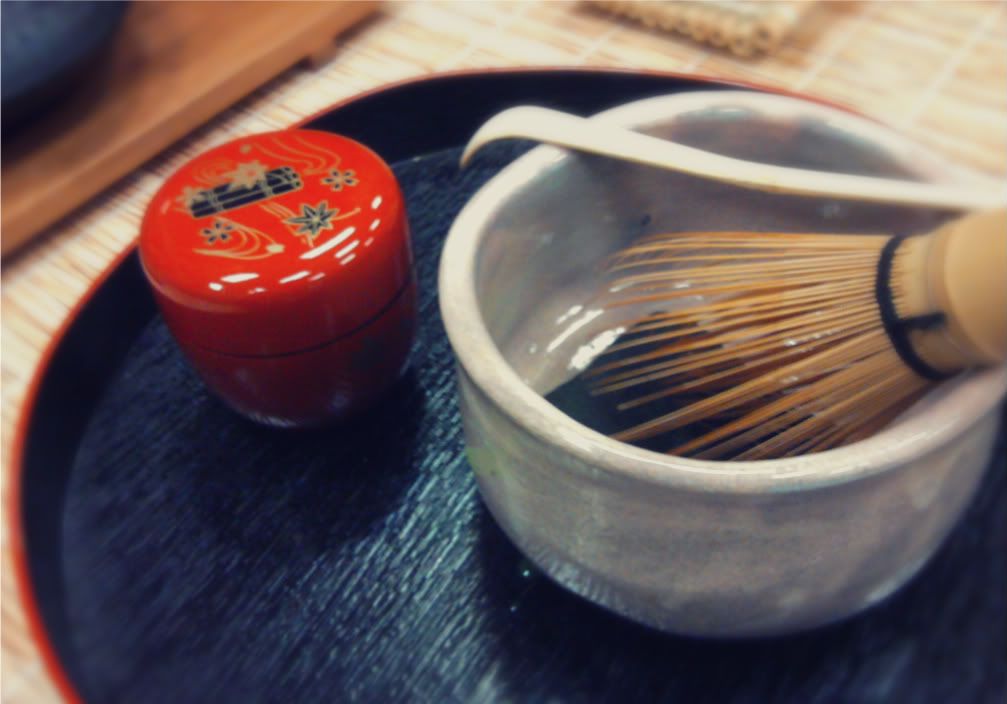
<point>537,269</point>
<point>539,232</point>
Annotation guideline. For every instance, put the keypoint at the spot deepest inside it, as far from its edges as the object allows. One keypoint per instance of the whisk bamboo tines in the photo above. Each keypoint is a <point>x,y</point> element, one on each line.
<point>787,344</point>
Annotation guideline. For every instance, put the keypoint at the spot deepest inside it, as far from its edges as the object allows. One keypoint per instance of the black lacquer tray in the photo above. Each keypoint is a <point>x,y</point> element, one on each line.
<point>176,553</point>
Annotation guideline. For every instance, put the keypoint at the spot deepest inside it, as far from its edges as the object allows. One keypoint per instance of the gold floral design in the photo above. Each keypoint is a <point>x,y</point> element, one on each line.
<point>219,231</point>
<point>338,178</point>
<point>242,242</point>
<point>246,175</point>
<point>313,219</point>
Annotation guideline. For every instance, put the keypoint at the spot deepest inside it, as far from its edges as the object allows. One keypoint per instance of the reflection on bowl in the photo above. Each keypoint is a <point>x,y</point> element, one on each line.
<point>690,546</point>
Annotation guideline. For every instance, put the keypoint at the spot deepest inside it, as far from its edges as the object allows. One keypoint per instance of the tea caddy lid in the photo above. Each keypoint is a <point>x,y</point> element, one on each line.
<point>276,243</point>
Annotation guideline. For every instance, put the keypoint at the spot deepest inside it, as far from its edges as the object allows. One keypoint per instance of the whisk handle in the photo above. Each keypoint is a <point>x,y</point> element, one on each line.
<point>968,278</point>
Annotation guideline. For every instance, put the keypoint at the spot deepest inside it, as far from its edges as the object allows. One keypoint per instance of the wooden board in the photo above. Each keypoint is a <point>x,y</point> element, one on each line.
<point>173,66</point>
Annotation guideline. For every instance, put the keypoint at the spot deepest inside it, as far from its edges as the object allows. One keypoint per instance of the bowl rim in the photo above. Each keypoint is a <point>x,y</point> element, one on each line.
<point>914,436</point>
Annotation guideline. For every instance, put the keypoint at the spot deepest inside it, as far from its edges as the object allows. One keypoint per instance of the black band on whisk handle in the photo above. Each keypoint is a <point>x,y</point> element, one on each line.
<point>898,328</point>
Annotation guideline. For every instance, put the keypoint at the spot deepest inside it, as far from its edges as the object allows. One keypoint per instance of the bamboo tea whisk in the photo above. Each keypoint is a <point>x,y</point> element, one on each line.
<point>769,345</point>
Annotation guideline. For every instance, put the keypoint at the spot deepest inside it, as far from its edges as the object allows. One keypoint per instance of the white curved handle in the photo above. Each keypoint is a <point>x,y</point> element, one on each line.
<point>599,137</point>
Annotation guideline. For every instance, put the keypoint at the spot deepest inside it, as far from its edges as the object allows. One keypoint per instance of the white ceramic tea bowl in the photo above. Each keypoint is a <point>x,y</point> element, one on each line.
<point>691,546</point>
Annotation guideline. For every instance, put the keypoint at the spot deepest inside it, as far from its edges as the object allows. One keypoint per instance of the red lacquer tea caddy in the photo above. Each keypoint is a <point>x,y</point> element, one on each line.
<point>282,265</point>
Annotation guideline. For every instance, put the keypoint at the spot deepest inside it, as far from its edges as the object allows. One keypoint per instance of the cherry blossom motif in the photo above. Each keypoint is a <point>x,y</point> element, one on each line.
<point>337,179</point>
<point>246,175</point>
<point>313,220</point>
<point>221,230</point>
<point>234,240</point>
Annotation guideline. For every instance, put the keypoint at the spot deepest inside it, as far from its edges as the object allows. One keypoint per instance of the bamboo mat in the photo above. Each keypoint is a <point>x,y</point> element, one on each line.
<point>935,70</point>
